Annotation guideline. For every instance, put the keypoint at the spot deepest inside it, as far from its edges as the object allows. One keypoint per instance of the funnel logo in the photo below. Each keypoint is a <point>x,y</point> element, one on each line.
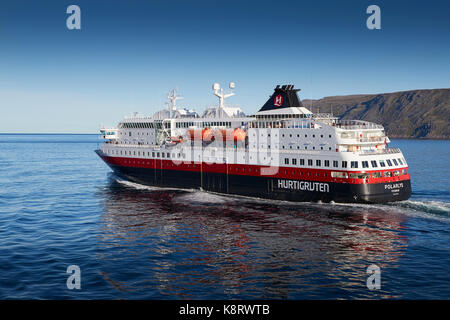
<point>278,101</point>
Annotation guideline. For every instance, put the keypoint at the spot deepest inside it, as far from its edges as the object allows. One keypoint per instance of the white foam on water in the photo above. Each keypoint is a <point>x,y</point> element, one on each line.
<point>139,186</point>
<point>202,197</point>
<point>425,209</point>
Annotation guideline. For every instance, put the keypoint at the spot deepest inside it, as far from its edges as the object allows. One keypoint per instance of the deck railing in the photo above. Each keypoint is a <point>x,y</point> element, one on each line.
<point>356,124</point>
<point>381,151</point>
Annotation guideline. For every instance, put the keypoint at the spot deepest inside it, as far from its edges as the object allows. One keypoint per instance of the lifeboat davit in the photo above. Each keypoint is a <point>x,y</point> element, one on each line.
<point>176,139</point>
<point>201,134</point>
<point>231,134</point>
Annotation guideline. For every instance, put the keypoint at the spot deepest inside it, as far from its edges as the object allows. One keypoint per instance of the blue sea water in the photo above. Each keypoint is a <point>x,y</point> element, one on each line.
<point>60,206</point>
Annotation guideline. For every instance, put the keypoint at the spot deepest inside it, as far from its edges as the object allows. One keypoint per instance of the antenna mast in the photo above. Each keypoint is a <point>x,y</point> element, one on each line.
<point>218,92</point>
<point>173,102</point>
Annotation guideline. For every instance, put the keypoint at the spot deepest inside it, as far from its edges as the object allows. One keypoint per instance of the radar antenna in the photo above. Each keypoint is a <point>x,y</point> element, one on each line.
<point>218,92</point>
<point>172,96</point>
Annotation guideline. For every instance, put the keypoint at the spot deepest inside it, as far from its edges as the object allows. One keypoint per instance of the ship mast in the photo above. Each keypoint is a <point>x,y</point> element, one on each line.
<point>172,96</point>
<point>218,92</point>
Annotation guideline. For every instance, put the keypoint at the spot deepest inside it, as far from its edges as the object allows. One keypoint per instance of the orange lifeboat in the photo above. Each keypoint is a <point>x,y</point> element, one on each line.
<point>199,134</point>
<point>231,134</point>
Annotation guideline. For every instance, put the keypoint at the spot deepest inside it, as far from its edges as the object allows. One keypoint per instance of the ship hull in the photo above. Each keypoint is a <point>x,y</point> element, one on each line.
<point>265,186</point>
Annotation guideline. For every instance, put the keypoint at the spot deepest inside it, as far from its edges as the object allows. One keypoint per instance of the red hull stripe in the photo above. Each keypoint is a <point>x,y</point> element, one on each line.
<point>311,174</point>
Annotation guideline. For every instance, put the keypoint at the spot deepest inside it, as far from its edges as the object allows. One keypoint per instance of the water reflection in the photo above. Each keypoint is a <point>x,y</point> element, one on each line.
<point>157,243</point>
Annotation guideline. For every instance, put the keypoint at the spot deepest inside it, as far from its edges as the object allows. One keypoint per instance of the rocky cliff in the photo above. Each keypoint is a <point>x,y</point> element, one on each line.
<point>407,114</point>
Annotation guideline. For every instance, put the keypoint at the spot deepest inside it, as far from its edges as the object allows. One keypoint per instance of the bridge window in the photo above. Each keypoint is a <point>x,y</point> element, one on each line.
<point>395,162</point>
<point>294,161</point>
<point>318,163</point>
<point>344,164</point>
<point>335,174</point>
<point>286,160</point>
<point>400,161</point>
<point>389,162</point>
<point>374,163</point>
<point>335,163</point>
<point>354,164</point>
<point>327,163</point>
<point>310,162</point>
<point>302,162</point>
<point>377,174</point>
<point>365,164</point>
<point>359,175</point>
<point>382,164</point>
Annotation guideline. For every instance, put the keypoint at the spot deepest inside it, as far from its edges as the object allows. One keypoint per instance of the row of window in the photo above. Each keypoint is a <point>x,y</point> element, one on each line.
<point>368,175</point>
<point>184,124</point>
<point>306,136</point>
<point>306,147</point>
<point>217,124</point>
<point>283,116</point>
<point>287,161</point>
<point>334,174</point>
<point>346,175</point>
<point>138,133</point>
<point>165,155</point>
<point>344,164</point>
<point>137,125</point>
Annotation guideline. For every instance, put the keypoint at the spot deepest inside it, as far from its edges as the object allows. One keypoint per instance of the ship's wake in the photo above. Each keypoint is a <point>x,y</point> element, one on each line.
<point>437,208</point>
<point>419,208</point>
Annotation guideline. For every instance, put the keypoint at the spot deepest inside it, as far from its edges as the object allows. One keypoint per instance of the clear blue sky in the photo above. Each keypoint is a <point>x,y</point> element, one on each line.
<point>128,54</point>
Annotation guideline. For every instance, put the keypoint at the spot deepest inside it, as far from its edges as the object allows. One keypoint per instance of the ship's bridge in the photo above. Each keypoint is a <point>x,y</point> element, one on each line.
<point>108,133</point>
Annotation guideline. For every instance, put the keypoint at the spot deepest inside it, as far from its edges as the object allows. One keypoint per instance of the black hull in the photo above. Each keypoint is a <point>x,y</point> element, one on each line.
<point>267,187</point>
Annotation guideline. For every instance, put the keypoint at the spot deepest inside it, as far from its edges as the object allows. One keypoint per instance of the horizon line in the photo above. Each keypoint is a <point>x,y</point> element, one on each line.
<point>46,133</point>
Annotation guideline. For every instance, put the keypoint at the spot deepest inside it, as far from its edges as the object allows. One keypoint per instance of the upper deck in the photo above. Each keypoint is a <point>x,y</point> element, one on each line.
<point>283,124</point>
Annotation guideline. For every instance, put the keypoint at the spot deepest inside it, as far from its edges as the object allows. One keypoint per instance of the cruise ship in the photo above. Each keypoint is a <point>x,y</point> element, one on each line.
<point>284,151</point>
